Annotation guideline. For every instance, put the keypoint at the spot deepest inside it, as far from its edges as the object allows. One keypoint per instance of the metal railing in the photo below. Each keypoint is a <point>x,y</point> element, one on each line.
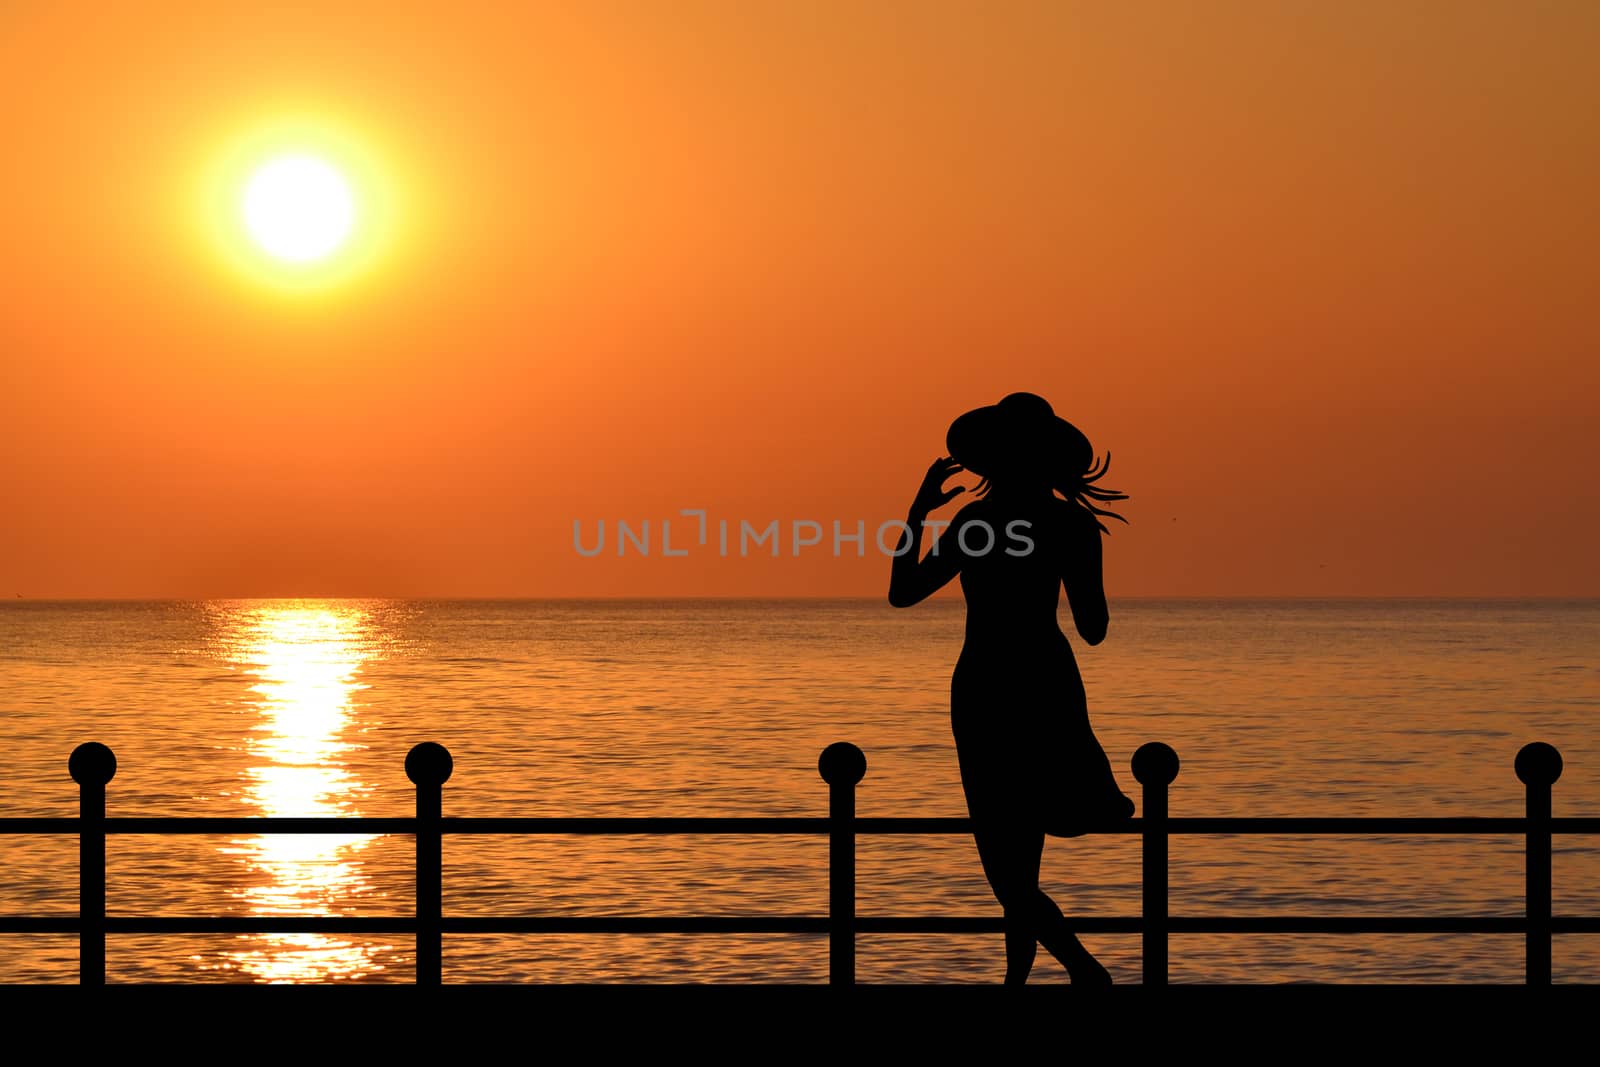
<point>842,766</point>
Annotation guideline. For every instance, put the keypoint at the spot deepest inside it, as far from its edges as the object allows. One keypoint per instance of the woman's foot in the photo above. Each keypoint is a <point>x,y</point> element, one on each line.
<point>1088,972</point>
<point>1082,967</point>
<point>1055,933</point>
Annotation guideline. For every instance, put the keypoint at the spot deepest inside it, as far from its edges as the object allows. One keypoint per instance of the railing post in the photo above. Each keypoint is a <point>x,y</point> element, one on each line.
<point>429,766</point>
<point>1538,765</point>
<point>842,765</point>
<point>92,765</point>
<point>1155,765</point>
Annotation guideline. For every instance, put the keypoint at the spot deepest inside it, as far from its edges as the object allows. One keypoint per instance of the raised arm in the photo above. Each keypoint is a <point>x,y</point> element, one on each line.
<point>1084,580</point>
<point>913,578</point>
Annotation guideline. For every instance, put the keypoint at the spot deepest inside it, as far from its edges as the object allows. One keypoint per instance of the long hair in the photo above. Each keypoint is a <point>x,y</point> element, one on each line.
<point>1080,489</point>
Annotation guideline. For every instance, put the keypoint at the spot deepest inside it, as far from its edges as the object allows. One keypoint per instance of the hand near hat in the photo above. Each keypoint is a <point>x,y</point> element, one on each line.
<point>932,494</point>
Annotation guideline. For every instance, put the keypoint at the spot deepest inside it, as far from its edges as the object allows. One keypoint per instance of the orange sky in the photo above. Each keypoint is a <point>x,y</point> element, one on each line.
<point>1320,276</point>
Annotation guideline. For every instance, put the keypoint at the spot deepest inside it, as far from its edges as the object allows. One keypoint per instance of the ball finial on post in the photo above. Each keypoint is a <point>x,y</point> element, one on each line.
<point>92,763</point>
<point>429,764</point>
<point>842,763</point>
<point>1155,764</point>
<point>1538,764</point>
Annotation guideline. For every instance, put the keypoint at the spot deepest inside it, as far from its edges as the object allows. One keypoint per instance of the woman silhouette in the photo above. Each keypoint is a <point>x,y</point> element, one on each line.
<point>1030,764</point>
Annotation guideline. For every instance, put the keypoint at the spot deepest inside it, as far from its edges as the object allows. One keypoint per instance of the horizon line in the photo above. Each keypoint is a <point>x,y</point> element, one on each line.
<point>852,598</point>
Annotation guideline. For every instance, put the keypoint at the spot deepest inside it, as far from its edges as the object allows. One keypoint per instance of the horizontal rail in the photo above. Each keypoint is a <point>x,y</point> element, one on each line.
<point>1265,825</point>
<point>1298,826</point>
<point>842,765</point>
<point>1301,826</point>
<point>793,924</point>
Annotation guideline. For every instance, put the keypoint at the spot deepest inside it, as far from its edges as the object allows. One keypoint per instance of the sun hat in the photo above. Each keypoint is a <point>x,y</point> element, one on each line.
<point>1020,437</point>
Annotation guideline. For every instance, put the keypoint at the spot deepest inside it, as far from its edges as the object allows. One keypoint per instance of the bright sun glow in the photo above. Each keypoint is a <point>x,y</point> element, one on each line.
<point>304,204</point>
<point>298,208</point>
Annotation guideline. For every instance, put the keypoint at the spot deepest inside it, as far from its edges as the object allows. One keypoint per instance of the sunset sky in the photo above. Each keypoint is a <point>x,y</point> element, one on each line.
<point>1320,276</point>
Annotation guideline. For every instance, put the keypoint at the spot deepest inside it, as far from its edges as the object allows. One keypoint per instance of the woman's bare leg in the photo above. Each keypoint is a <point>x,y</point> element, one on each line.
<point>1011,862</point>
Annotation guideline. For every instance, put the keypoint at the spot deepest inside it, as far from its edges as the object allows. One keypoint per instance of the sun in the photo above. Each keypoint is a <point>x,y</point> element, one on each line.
<point>298,208</point>
<point>304,204</point>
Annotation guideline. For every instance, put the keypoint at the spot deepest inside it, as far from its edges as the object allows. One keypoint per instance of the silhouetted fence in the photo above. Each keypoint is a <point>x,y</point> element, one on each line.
<point>842,766</point>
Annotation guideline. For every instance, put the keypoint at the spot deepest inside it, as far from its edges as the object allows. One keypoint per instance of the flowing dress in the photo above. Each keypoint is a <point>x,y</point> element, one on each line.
<point>1029,758</point>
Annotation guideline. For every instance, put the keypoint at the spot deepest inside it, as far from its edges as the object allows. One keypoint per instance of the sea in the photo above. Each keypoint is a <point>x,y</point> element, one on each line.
<point>1282,707</point>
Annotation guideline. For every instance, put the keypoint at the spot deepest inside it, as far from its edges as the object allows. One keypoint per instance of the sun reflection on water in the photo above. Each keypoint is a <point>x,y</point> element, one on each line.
<point>305,658</point>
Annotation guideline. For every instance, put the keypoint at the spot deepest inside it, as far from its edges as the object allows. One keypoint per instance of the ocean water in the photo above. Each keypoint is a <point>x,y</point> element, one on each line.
<point>568,708</point>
